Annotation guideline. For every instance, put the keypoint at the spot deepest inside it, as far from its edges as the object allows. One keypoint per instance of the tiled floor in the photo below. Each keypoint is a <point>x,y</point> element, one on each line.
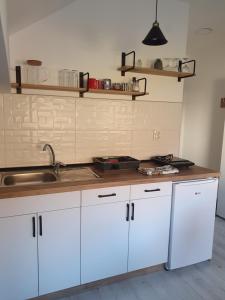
<point>202,281</point>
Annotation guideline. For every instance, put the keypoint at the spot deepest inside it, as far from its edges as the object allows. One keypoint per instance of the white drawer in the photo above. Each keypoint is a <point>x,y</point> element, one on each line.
<point>151,190</point>
<point>38,203</point>
<point>105,195</point>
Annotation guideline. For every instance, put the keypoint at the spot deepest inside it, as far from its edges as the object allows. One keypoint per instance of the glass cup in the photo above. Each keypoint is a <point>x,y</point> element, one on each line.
<point>173,63</point>
<point>166,63</point>
<point>36,74</point>
<point>170,64</point>
<point>68,78</point>
<point>185,67</point>
<point>64,77</point>
<point>74,78</point>
<point>30,74</point>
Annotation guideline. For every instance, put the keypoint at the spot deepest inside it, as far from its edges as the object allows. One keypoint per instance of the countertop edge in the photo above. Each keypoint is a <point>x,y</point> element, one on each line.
<point>53,188</point>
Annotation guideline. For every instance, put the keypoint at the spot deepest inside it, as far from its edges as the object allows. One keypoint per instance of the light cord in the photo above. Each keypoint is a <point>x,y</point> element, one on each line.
<point>156,11</point>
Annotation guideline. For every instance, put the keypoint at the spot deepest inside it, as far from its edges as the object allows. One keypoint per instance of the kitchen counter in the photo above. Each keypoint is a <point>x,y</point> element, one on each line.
<point>108,179</point>
<point>94,228</point>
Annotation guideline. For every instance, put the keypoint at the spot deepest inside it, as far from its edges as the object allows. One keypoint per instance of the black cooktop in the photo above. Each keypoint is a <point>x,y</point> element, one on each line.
<point>116,162</point>
<point>172,161</point>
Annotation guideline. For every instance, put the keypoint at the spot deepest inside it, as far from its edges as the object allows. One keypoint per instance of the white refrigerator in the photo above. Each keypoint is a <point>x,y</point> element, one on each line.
<point>221,192</point>
<point>192,222</point>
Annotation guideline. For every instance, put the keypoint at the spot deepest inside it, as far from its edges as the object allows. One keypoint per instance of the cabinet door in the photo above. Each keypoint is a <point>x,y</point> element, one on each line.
<point>18,258</point>
<point>104,241</point>
<point>59,250</point>
<point>149,232</point>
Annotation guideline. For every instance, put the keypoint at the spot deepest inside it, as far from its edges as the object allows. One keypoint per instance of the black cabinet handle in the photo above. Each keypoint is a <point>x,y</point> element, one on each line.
<point>33,227</point>
<point>128,213</point>
<point>109,195</point>
<point>132,213</point>
<point>151,191</point>
<point>40,225</point>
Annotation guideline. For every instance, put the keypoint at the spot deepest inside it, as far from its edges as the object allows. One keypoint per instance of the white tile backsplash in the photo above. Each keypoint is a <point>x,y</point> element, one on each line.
<point>104,115</point>
<point>167,143</point>
<point>80,129</point>
<point>166,116</point>
<point>142,142</point>
<point>93,115</point>
<point>142,116</point>
<point>101,143</point>
<point>17,112</point>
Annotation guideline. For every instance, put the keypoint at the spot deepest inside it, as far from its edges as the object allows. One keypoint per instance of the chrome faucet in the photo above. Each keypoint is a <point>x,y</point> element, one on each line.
<point>55,164</point>
<point>52,152</point>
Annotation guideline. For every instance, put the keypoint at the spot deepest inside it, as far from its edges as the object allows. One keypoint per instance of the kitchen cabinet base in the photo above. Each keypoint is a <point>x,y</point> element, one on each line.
<point>84,287</point>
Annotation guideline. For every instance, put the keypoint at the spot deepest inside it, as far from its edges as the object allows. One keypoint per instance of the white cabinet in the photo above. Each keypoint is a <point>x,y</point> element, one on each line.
<point>59,250</point>
<point>38,203</point>
<point>40,249</point>
<point>149,232</point>
<point>119,233</point>
<point>151,190</point>
<point>18,258</point>
<point>104,233</point>
<point>123,235</point>
<point>149,224</point>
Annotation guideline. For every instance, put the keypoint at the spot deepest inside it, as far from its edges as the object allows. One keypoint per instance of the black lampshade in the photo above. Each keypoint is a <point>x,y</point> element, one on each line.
<point>155,36</point>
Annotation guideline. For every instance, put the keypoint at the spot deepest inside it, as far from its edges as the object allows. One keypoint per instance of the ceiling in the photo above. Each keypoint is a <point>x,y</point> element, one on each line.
<point>22,13</point>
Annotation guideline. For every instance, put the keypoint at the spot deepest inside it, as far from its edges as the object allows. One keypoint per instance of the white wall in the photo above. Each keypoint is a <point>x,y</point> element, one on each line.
<point>90,36</point>
<point>22,13</point>
<point>203,117</point>
<point>4,70</point>
<point>3,15</point>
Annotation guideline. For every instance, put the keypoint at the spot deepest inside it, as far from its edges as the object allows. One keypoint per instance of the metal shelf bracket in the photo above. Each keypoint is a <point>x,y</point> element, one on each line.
<point>18,80</point>
<point>123,61</point>
<point>81,76</point>
<point>185,63</point>
<point>145,87</point>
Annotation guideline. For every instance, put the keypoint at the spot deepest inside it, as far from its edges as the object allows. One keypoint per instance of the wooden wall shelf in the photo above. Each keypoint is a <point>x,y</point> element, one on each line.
<point>132,68</point>
<point>19,86</point>
<point>47,87</point>
<point>151,71</point>
<point>70,89</point>
<point>116,92</point>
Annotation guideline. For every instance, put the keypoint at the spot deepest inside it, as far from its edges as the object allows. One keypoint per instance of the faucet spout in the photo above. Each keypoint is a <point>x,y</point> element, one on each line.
<point>48,146</point>
<point>55,164</point>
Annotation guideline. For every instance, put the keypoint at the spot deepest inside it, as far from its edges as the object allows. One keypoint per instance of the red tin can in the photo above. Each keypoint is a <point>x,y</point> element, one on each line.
<point>92,83</point>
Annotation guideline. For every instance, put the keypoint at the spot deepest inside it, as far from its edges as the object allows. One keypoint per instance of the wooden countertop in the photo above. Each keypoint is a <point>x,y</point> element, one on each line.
<point>109,179</point>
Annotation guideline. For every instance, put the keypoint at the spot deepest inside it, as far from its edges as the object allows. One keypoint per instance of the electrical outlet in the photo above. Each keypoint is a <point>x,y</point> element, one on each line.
<point>156,135</point>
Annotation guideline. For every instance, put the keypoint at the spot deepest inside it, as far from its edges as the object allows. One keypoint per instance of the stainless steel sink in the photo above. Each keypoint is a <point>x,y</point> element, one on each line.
<point>41,177</point>
<point>78,174</point>
<point>28,178</point>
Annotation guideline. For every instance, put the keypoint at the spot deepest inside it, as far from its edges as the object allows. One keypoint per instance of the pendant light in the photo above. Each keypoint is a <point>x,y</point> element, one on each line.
<point>155,36</point>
